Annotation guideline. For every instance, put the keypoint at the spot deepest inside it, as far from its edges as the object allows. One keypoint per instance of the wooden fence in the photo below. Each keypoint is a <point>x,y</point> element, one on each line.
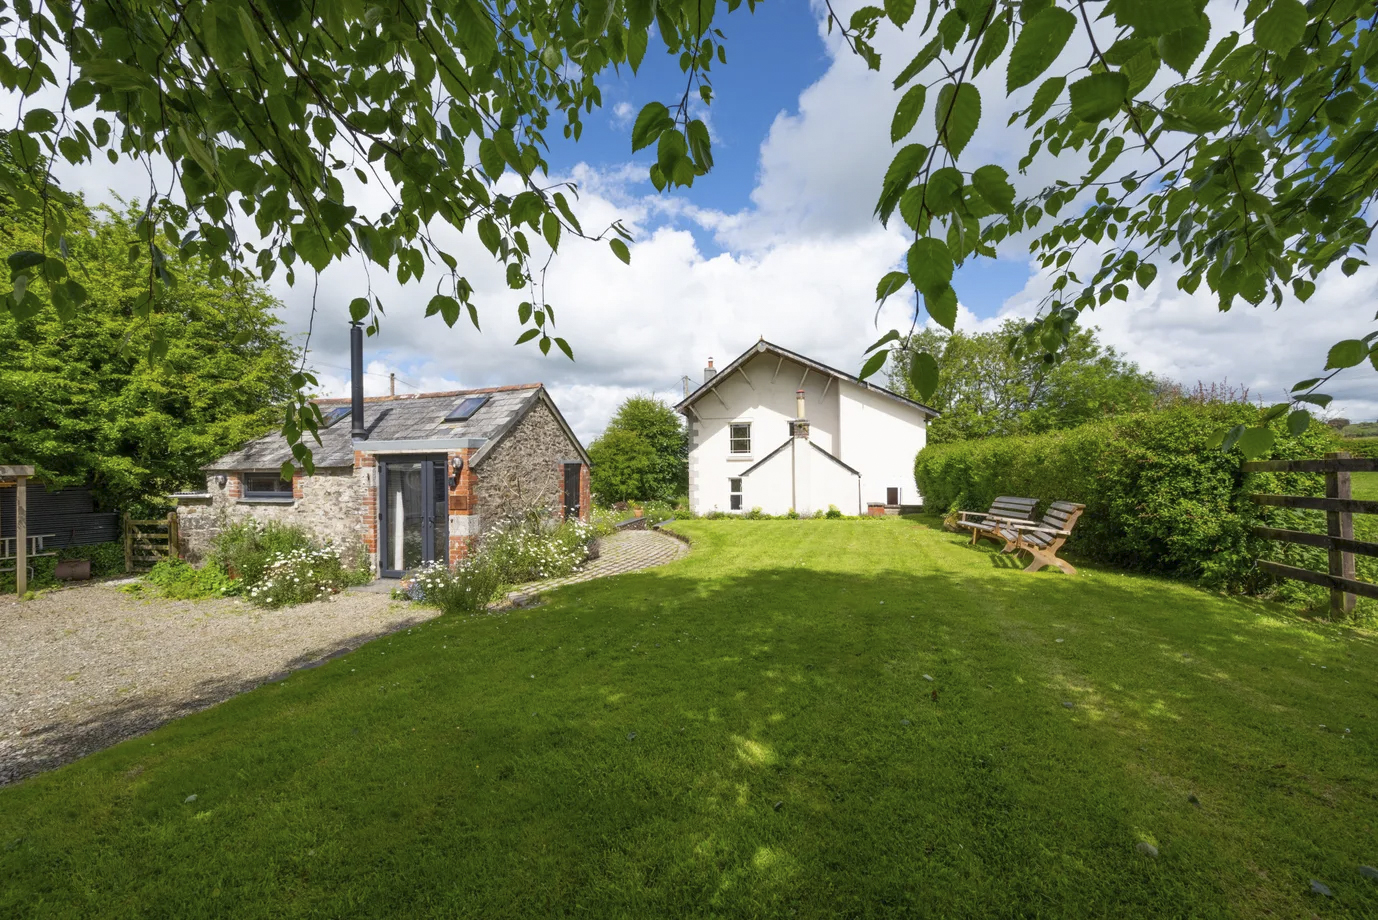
<point>146,543</point>
<point>1338,539</point>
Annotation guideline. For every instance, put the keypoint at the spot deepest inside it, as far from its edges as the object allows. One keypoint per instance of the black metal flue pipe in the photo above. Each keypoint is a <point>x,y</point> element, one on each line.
<point>356,382</point>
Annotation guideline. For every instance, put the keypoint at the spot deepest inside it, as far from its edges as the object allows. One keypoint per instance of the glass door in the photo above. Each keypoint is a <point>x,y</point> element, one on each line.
<point>413,514</point>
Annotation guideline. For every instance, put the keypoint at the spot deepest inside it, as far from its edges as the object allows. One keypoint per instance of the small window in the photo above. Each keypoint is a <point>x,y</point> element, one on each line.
<point>332,414</point>
<point>892,495</point>
<point>266,485</point>
<point>739,434</point>
<point>734,488</point>
<point>466,409</point>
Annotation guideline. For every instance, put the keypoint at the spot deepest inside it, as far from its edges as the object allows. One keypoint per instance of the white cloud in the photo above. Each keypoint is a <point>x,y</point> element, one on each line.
<point>622,115</point>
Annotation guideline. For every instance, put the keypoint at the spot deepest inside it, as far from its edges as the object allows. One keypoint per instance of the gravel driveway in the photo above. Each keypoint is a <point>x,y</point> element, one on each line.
<point>86,667</point>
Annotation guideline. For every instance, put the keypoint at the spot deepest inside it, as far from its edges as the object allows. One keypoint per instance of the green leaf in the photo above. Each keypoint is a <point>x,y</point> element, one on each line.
<point>1099,96</point>
<point>489,234</point>
<point>1145,274</point>
<point>508,149</point>
<point>1315,399</point>
<point>1043,99</point>
<point>620,250</point>
<point>993,184</point>
<point>942,306</point>
<point>564,346</point>
<point>527,336</point>
<point>700,144</point>
<point>1281,26</point>
<point>550,229</point>
<point>566,213</point>
<point>1255,442</point>
<point>873,364</point>
<point>927,56</point>
<point>490,158</point>
<point>957,115</point>
<point>923,374</point>
<point>1298,422</point>
<point>1350,266</point>
<point>892,282</point>
<point>446,306</point>
<point>1038,46</point>
<point>358,309</point>
<point>476,32</point>
<point>1346,354</point>
<point>24,258</point>
<point>1180,49</point>
<point>39,121</point>
<point>892,336</point>
<point>653,118</point>
<point>1306,384</point>
<point>930,265</point>
<point>287,471</point>
<point>1231,438</point>
<point>899,11</point>
<point>907,112</point>
<point>997,36</point>
<point>944,190</point>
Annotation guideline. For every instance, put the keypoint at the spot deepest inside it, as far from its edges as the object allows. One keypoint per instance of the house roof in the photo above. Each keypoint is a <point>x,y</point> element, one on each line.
<point>410,418</point>
<point>764,347</point>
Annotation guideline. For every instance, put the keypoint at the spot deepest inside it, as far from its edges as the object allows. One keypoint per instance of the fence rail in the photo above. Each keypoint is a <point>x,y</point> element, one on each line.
<point>1338,540</point>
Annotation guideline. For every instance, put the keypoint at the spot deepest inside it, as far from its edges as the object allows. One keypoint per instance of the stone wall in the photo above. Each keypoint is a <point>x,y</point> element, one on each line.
<point>326,505</point>
<point>524,472</point>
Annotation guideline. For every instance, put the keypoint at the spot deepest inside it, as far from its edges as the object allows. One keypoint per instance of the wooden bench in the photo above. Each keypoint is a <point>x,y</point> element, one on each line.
<point>1042,541</point>
<point>994,524</point>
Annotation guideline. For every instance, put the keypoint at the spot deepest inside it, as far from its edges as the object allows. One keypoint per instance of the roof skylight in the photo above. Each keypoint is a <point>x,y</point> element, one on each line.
<point>466,409</point>
<point>332,415</point>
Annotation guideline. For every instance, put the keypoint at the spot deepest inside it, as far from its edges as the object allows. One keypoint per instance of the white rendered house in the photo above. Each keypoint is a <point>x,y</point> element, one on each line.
<point>777,431</point>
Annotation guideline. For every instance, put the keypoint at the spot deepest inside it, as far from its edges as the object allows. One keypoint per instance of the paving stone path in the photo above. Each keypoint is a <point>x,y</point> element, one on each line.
<point>626,551</point>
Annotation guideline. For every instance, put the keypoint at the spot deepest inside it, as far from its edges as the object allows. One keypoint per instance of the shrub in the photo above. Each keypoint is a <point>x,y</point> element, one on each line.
<point>605,520</point>
<point>655,512</point>
<point>684,514</point>
<point>469,588</point>
<point>1360,447</point>
<point>178,580</point>
<point>756,514</point>
<point>792,514</point>
<point>298,576</point>
<point>1157,497</point>
<point>527,550</point>
<point>834,512</point>
<point>244,549</point>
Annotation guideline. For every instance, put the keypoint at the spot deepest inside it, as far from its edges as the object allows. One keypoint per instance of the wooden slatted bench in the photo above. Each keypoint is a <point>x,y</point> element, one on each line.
<point>994,524</point>
<point>1042,541</point>
<point>36,548</point>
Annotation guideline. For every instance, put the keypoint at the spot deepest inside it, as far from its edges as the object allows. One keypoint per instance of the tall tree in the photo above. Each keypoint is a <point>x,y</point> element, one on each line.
<point>1254,168</point>
<point>643,454</point>
<point>79,397</point>
<point>986,390</point>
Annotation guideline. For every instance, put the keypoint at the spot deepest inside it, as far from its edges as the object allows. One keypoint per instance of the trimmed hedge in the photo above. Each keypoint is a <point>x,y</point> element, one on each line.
<point>1157,498</point>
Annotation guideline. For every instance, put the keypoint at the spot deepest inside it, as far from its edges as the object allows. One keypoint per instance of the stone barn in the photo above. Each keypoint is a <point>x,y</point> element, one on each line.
<point>411,479</point>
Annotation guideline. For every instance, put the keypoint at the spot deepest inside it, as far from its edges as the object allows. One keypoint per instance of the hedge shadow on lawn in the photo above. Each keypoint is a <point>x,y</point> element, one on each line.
<point>742,744</point>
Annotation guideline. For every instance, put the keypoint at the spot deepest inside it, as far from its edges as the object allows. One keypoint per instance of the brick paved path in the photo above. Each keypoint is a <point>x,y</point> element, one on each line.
<point>627,551</point>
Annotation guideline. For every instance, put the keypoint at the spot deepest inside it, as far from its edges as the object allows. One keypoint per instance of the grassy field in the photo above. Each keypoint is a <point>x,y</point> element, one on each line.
<point>753,732</point>
<point>1364,485</point>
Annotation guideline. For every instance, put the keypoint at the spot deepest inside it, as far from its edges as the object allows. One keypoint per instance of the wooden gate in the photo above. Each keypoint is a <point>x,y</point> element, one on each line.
<point>147,543</point>
<point>1338,539</point>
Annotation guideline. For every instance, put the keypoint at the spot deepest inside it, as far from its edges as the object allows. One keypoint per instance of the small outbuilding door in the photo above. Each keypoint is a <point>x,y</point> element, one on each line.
<point>572,490</point>
<point>413,511</point>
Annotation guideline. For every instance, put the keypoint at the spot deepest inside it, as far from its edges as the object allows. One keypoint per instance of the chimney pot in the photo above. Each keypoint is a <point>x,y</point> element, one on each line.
<point>799,404</point>
<point>708,372</point>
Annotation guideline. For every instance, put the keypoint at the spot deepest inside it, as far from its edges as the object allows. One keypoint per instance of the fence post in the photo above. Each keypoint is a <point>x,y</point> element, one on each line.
<point>1339,524</point>
<point>173,549</point>
<point>128,545</point>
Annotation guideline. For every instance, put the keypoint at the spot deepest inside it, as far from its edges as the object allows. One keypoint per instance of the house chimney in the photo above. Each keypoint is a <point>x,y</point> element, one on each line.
<point>799,428</point>
<point>356,382</point>
<point>708,372</point>
<point>799,404</point>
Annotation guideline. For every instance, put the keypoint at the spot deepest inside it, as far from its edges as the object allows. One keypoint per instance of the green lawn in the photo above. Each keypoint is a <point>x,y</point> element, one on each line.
<point>1364,485</point>
<point>752,732</point>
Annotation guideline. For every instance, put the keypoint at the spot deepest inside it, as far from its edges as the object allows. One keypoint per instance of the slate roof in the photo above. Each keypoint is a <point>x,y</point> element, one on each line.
<point>763,347</point>
<point>400,418</point>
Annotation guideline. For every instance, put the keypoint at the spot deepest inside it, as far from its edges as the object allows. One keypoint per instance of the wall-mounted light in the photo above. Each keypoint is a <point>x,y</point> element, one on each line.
<point>456,467</point>
<point>220,480</point>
